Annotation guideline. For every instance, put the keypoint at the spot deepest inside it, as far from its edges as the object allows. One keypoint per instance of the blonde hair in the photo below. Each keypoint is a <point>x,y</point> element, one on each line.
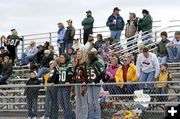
<point>83,57</point>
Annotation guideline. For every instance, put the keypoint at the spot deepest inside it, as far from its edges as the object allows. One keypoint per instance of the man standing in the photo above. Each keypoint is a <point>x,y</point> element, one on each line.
<point>147,68</point>
<point>116,24</point>
<point>69,35</point>
<point>130,31</point>
<point>173,48</point>
<point>162,49</point>
<point>145,25</point>
<point>87,24</point>
<point>61,34</point>
<point>11,43</point>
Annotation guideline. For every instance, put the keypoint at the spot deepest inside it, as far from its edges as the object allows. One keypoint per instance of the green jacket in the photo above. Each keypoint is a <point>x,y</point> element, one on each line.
<point>162,49</point>
<point>88,22</point>
<point>146,23</point>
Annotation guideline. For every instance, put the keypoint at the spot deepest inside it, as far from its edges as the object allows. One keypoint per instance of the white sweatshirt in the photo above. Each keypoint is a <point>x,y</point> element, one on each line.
<point>147,65</point>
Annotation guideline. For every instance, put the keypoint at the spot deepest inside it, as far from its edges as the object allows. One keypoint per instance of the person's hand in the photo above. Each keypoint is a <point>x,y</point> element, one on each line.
<point>67,84</point>
<point>51,84</point>
<point>170,45</point>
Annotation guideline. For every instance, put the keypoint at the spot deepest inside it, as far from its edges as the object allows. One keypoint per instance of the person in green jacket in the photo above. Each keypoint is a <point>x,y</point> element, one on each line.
<point>87,24</point>
<point>162,49</point>
<point>145,24</point>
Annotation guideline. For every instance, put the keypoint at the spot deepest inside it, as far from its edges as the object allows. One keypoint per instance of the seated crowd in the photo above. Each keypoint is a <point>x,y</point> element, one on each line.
<point>88,63</point>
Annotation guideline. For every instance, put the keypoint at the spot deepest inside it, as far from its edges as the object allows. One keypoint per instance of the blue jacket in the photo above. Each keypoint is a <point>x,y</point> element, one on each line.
<point>61,34</point>
<point>119,23</point>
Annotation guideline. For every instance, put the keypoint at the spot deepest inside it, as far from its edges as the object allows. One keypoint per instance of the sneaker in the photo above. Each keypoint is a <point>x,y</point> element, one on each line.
<point>34,118</point>
<point>43,117</point>
<point>29,117</point>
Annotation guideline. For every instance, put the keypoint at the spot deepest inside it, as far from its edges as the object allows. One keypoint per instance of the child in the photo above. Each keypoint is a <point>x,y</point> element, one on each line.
<point>162,87</point>
<point>63,75</point>
<point>32,95</point>
<point>95,71</point>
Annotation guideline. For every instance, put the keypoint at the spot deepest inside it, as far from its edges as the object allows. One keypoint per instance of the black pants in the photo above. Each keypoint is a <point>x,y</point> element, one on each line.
<point>86,35</point>
<point>131,43</point>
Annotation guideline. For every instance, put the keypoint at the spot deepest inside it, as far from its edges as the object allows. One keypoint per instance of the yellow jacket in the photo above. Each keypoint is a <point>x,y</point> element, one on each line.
<point>131,74</point>
<point>164,76</point>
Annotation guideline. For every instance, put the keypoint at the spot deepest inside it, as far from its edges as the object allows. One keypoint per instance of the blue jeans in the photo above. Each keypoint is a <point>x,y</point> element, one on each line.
<point>146,77</point>
<point>162,60</point>
<point>61,46</point>
<point>48,101</point>
<point>3,79</point>
<point>65,101</point>
<point>81,104</point>
<point>53,91</point>
<point>162,91</point>
<point>174,54</point>
<point>94,110</point>
<point>116,35</point>
<point>32,106</point>
<point>68,45</point>
<point>146,38</point>
<point>42,71</point>
<point>26,59</point>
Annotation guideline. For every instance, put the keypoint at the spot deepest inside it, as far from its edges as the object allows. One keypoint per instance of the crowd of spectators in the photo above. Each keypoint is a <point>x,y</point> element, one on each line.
<point>90,63</point>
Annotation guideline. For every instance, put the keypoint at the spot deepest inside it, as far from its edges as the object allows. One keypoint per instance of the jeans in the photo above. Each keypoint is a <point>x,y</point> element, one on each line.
<point>3,79</point>
<point>64,94</point>
<point>69,45</point>
<point>61,47</point>
<point>116,35</point>
<point>174,54</point>
<point>94,110</point>
<point>146,38</point>
<point>48,101</point>
<point>26,59</point>
<point>146,77</point>
<point>53,91</point>
<point>162,91</point>
<point>162,60</point>
<point>32,106</point>
<point>42,71</point>
<point>81,104</point>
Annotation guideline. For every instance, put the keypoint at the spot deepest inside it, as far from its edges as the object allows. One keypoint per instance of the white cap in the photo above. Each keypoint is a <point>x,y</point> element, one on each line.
<point>46,52</point>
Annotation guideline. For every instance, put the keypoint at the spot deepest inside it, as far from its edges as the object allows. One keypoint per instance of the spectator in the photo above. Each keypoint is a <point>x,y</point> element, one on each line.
<point>61,36</point>
<point>95,74</point>
<point>80,76</point>
<point>29,53</point>
<point>147,68</point>
<point>162,49</point>
<point>87,24</point>
<point>130,32</point>
<point>3,52</point>
<point>46,45</point>
<point>173,48</point>
<point>77,45</point>
<point>51,49</point>
<point>6,70</point>
<point>110,76</point>
<point>162,88</point>
<point>116,24</point>
<point>99,41</point>
<point>3,38</point>
<point>141,47</point>
<point>145,25</point>
<point>12,43</point>
<point>134,58</point>
<point>90,44</point>
<point>69,36</point>
<point>32,96</point>
<point>70,53</point>
<point>63,74</point>
<point>127,73</point>
<point>48,90</point>
<point>37,58</point>
<point>44,65</point>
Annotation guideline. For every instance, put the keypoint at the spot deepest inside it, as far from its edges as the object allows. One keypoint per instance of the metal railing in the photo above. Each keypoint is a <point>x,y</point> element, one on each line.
<point>112,99</point>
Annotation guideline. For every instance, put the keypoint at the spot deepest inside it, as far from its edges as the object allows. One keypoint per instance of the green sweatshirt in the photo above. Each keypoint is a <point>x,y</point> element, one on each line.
<point>162,49</point>
<point>146,23</point>
<point>88,22</point>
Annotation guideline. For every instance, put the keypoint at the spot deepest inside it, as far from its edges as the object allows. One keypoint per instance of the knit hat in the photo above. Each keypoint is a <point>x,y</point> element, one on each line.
<point>177,33</point>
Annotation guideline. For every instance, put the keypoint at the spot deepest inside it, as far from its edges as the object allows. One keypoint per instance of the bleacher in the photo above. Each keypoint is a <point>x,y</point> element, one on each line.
<point>12,99</point>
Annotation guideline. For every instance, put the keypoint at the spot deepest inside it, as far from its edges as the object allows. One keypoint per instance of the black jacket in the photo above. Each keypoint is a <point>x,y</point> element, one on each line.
<point>46,60</point>
<point>32,92</point>
<point>7,69</point>
<point>69,35</point>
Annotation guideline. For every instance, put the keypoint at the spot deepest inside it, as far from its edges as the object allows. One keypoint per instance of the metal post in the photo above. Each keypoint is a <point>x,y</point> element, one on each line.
<point>80,35</point>
<point>50,37</point>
